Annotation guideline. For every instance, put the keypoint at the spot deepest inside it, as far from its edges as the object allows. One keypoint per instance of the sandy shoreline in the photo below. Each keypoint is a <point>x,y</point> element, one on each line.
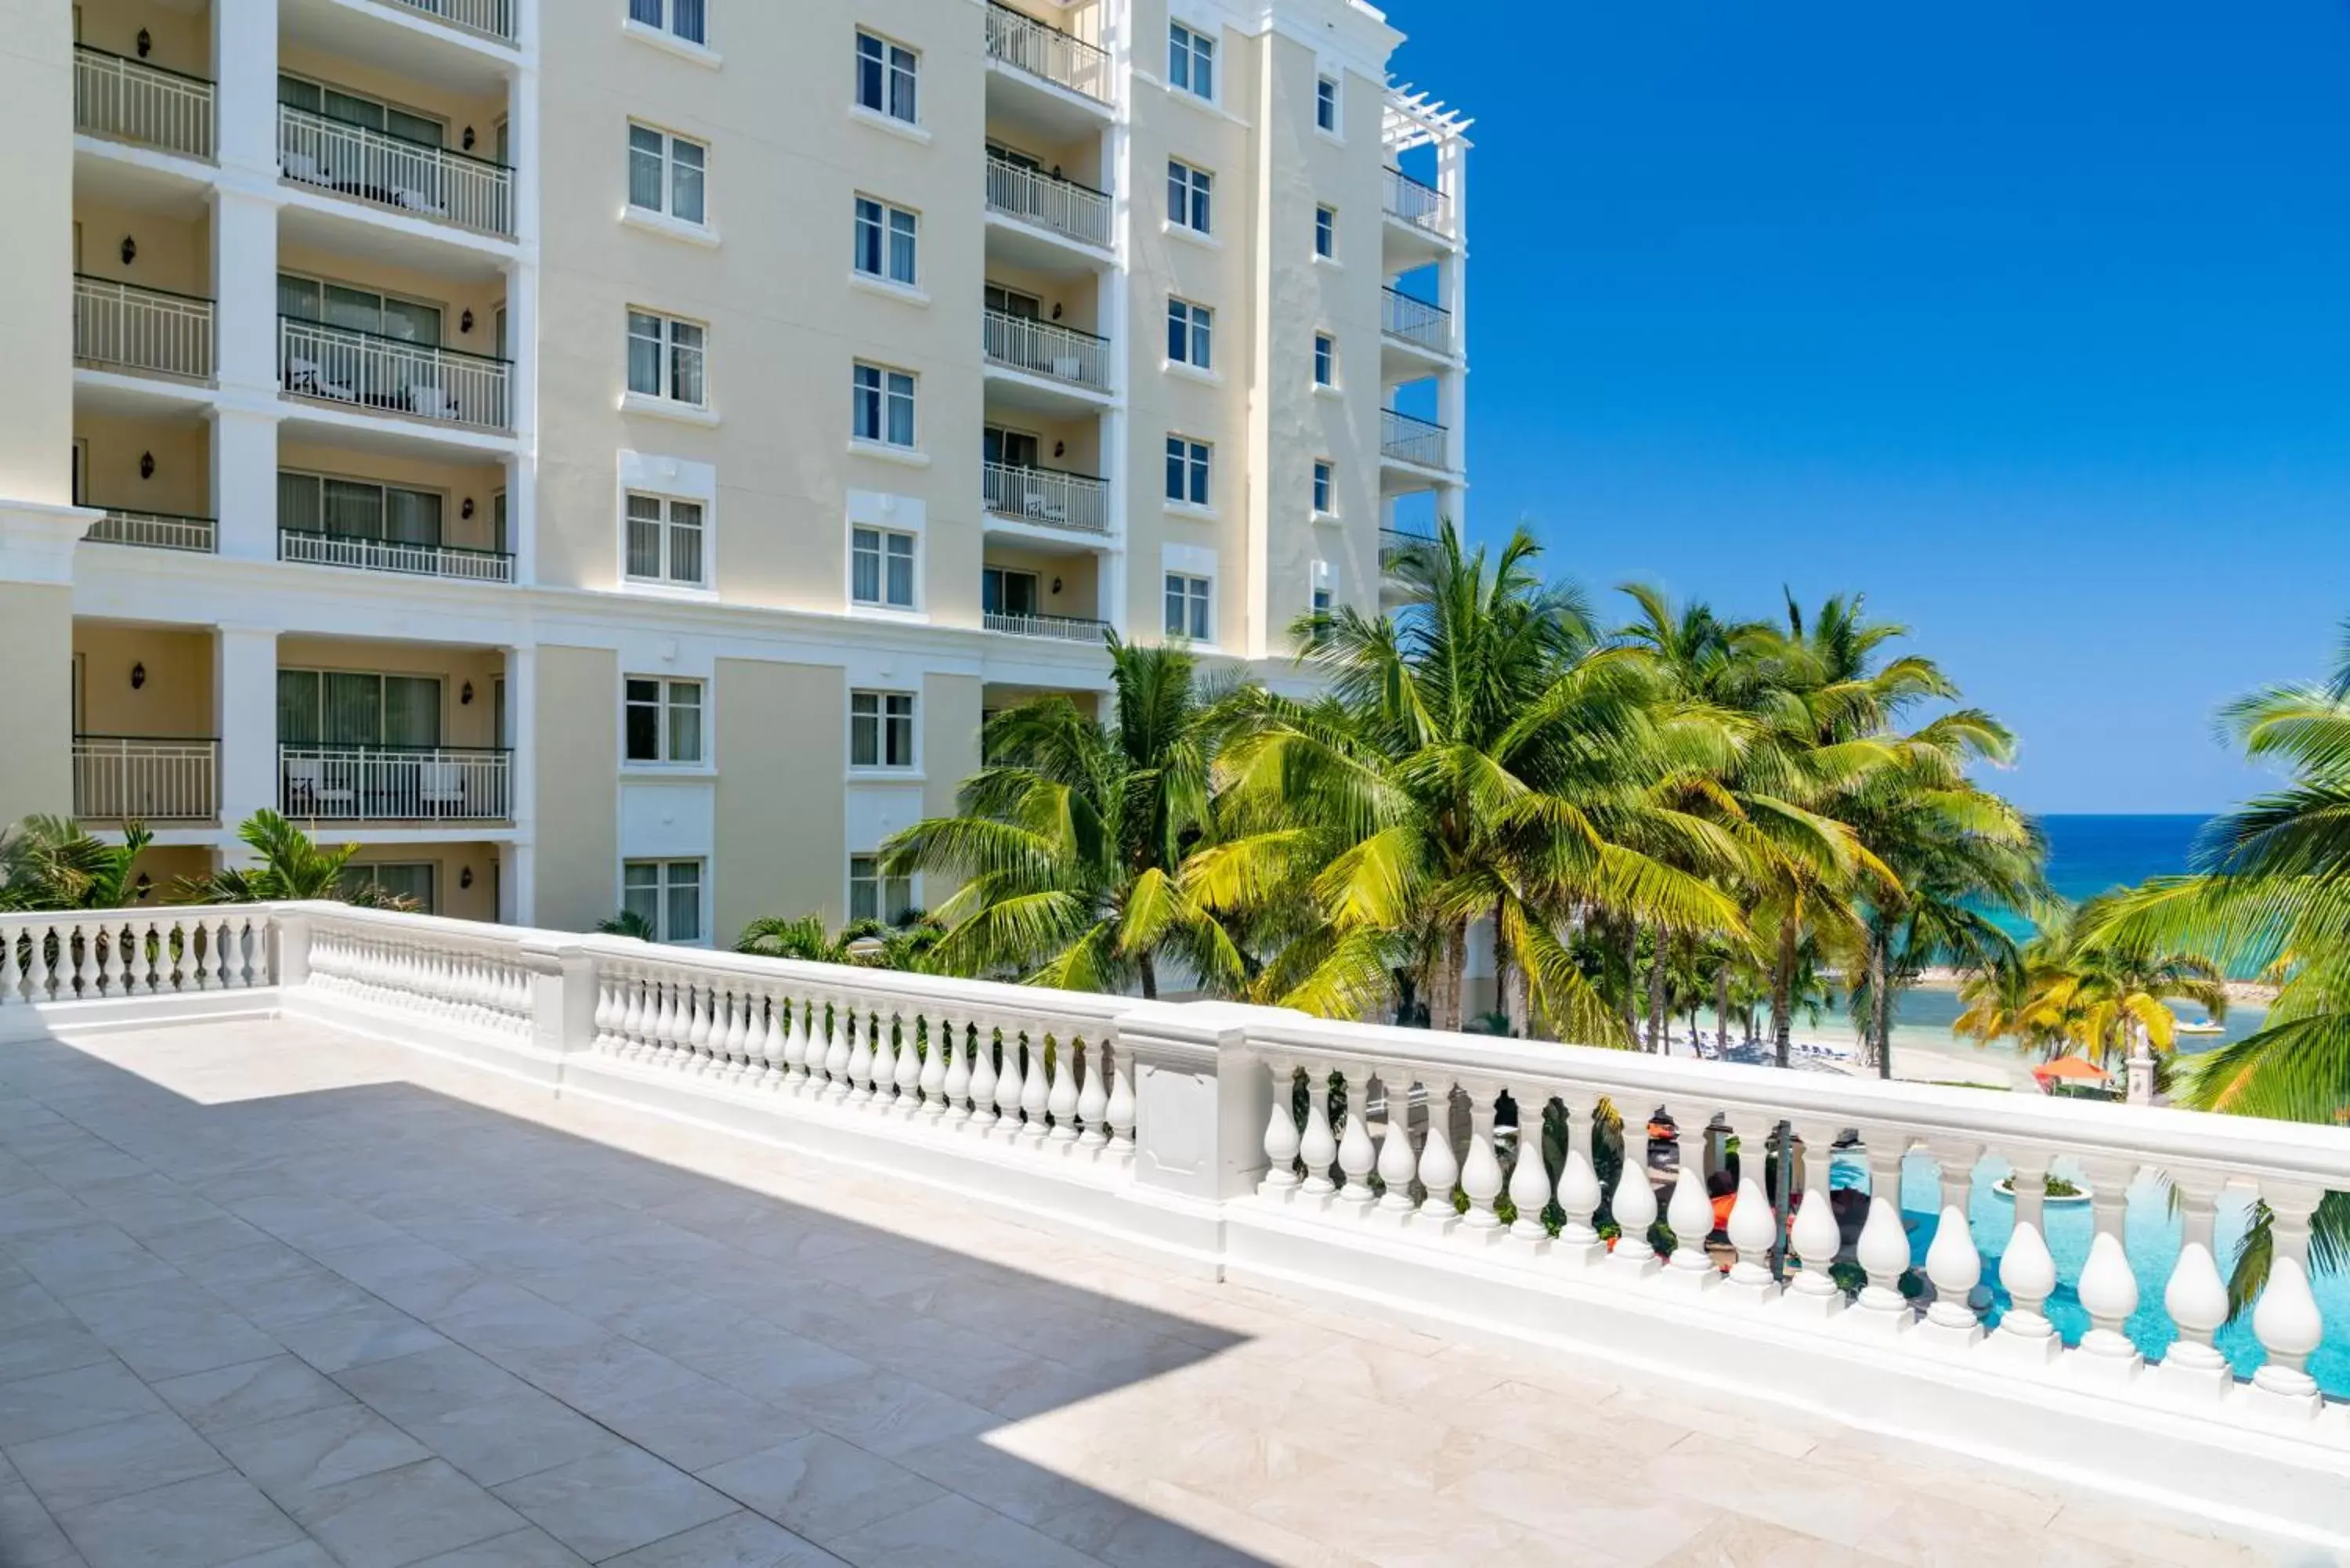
<point>2257,993</point>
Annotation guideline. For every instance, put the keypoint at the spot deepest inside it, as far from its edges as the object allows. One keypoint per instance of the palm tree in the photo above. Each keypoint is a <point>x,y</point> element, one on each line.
<point>54,863</point>
<point>2104,991</point>
<point>289,865</point>
<point>1067,844</point>
<point>871,944</point>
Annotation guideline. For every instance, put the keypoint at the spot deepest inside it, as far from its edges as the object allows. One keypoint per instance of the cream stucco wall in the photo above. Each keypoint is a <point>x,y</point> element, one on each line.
<point>782,848</point>
<point>576,752</point>
<point>175,700</point>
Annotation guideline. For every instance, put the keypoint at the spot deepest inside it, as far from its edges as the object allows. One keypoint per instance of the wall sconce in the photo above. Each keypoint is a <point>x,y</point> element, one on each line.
<point>129,250</point>
<point>145,885</point>
<point>1059,447</point>
<point>146,466</point>
<point>1056,585</point>
<point>465,877</point>
<point>145,43</point>
<point>468,140</point>
<point>138,676</point>
<point>465,321</point>
<point>1057,310</point>
<point>465,509</point>
<point>466,696</point>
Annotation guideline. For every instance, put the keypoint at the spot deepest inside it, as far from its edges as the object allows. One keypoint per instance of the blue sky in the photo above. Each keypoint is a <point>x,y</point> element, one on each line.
<point>2030,321</point>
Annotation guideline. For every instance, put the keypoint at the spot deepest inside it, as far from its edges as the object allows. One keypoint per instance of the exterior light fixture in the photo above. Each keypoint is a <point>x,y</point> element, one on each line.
<point>138,676</point>
<point>465,695</point>
<point>129,250</point>
<point>146,42</point>
<point>465,509</point>
<point>465,877</point>
<point>146,466</point>
<point>465,321</point>
<point>468,142</point>
<point>1056,585</point>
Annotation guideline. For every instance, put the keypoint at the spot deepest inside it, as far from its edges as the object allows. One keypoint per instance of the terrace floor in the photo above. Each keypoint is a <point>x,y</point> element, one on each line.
<point>273,1295</point>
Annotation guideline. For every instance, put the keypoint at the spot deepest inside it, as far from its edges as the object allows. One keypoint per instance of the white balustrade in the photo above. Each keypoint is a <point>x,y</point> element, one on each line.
<point>394,171</point>
<point>490,18</point>
<point>122,326</point>
<point>130,100</point>
<point>113,955</point>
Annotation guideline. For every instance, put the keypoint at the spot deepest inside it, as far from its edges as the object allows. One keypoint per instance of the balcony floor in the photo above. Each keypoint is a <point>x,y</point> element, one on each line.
<point>271,1293</point>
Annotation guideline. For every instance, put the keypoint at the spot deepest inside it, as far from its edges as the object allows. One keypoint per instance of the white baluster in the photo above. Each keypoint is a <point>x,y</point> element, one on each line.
<point>602,1022</point>
<point>929,1095</point>
<point>2195,1296</point>
<point>1093,1099</point>
<point>1012,1070</point>
<point>1282,1140</point>
<point>1398,1161</point>
<point>1753,1228</point>
<point>2285,1319</point>
<point>1690,1213</point>
<point>1884,1247</point>
<point>2108,1286</point>
<point>116,976</point>
<point>1036,1088</point>
<point>1529,1176</point>
<point>738,1034</point>
<point>1579,1193</point>
<point>701,1003</point>
<point>766,1027</point>
<point>37,963</point>
<point>1633,1203</point>
<point>908,1075</point>
<point>801,1057</point>
<point>881,1077</point>
<point>983,1077</point>
<point>1480,1170</point>
<point>1955,1267</point>
<point>1357,1154</point>
<point>839,1049</point>
<point>1440,1167</point>
<point>1119,1112</point>
<point>631,1042</point>
<point>218,951</point>
<point>1061,1096</point>
<point>954,1089</point>
<point>1317,1147</point>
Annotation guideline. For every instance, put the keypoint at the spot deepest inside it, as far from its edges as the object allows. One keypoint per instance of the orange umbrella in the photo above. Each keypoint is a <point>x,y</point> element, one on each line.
<point>2071,1067</point>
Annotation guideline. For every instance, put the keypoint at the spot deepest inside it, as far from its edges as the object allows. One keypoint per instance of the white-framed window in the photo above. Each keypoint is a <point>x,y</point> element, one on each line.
<point>1188,608</point>
<point>667,894</point>
<point>1190,333</point>
<point>1190,196</point>
<point>1190,61</point>
<point>1325,231</point>
<point>1326,104</point>
<point>881,405</point>
<point>887,241</point>
<point>880,729</point>
<point>1325,488</point>
<point>1006,590</point>
<point>357,509</point>
<point>1187,469</point>
<point>886,76</point>
<point>881,567</point>
<point>665,172</point>
<point>1326,359</point>
<point>872,896</point>
<point>1323,601</point>
<point>412,880</point>
<point>665,540</point>
<point>662,720</point>
<point>665,357</point>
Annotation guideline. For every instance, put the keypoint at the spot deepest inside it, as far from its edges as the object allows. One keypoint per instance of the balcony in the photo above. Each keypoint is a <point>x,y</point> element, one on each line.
<point>147,331</point>
<point>1405,439</point>
<point>145,778</point>
<point>1297,1228</point>
<point>1416,322</point>
<point>1419,205</point>
<point>1052,627</point>
<point>391,375</point>
<point>1397,542</point>
<point>1046,497</point>
<point>387,170</point>
<point>395,784</point>
<point>491,19</point>
<point>1018,40</point>
<point>1063,207</point>
<point>130,100</point>
<point>1045,348</point>
<point>155,531</point>
<point>395,556</point>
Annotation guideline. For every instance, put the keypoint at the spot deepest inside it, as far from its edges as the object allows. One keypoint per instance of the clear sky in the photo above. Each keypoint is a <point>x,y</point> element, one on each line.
<point>2031,320</point>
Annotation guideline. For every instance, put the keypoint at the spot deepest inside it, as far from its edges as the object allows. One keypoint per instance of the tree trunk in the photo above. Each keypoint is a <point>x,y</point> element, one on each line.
<point>1657,991</point>
<point>1722,1007</point>
<point>1149,972</point>
<point>1510,981</point>
<point>1880,1006</point>
<point>1782,993</point>
<point>1632,980</point>
<point>1444,984</point>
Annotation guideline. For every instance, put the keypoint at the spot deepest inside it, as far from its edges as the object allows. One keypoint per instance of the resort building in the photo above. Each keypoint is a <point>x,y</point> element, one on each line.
<point>613,455</point>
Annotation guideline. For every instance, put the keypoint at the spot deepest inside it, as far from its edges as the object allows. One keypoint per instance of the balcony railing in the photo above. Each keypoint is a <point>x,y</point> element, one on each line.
<point>1075,212</point>
<point>1423,206</point>
<point>1062,59</point>
<point>1396,542</point>
<point>490,18</point>
<point>1049,497</point>
<point>132,101</point>
<point>155,530</point>
<point>1053,628</point>
<point>1416,321</point>
<point>343,364</point>
<point>394,555</point>
<point>1046,348</point>
<point>393,172</point>
<point>145,778</point>
<point>122,326</point>
<point>395,784</point>
<point>1408,440</point>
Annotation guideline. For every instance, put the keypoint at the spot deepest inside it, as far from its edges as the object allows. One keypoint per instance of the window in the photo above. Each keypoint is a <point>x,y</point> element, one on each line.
<point>682,18</point>
<point>665,357</point>
<point>872,896</point>
<point>347,708</point>
<point>1326,359</point>
<point>352,109</point>
<point>357,509</point>
<point>1003,591</point>
<point>882,405</point>
<point>1325,233</point>
<point>665,540</point>
<point>1190,61</point>
<point>1191,330</point>
<point>1188,195</point>
<point>1323,487</point>
<point>412,882</point>
<point>665,174</point>
<point>664,720</point>
<point>1186,471</point>
<point>335,305</point>
<point>880,729</point>
<point>1187,607</point>
<point>1322,604</point>
<point>885,241</point>
<point>666,895</point>
<point>1325,105</point>
<point>885,77</point>
<point>881,567</point>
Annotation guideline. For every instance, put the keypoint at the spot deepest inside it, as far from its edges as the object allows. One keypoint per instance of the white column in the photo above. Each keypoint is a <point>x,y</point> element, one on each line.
<point>1452,293</point>
<point>244,290</point>
<point>244,481</point>
<point>519,861</point>
<point>245,676</point>
<point>1117,467</point>
<point>244,68</point>
<point>522,469</point>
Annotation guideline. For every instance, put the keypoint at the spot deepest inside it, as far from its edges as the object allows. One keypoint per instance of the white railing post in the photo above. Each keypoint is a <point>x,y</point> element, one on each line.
<point>1202,1099</point>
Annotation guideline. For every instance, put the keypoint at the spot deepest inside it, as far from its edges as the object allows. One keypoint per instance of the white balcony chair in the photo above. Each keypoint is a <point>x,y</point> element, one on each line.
<point>308,794</point>
<point>440,787</point>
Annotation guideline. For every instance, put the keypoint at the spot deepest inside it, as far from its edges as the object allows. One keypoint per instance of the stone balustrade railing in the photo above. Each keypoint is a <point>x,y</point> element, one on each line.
<point>1553,1195</point>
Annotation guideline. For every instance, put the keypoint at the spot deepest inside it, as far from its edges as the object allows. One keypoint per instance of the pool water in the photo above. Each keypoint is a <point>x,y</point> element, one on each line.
<point>2150,1235</point>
